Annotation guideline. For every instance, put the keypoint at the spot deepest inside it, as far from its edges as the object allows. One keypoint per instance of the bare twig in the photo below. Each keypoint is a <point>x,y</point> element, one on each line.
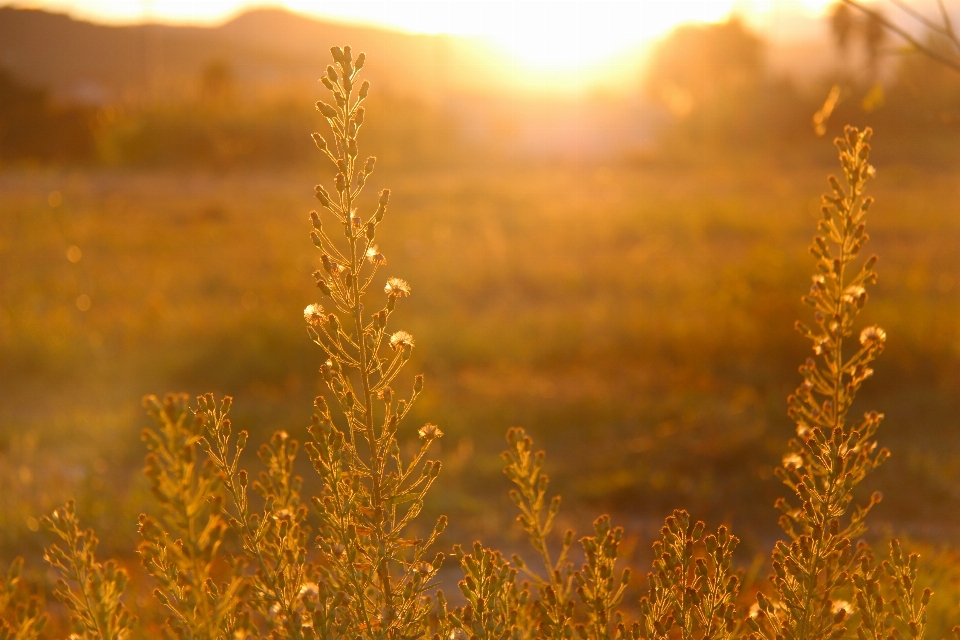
<point>946,30</point>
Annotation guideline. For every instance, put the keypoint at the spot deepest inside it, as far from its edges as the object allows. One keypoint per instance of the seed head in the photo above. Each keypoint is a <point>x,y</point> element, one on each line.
<point>872,335</point>
<point>430,432</point>
<point>397,288</point>
<point>792,461</point>
<point>841,605</point>
<point>401,340</point>
<point>374,256</point>
<point>853,294</point>
<point>313,314</point>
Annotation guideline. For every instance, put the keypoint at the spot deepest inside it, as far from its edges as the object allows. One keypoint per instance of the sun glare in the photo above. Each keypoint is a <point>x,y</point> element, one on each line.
<point>547,37</point>
<point>576,36</point>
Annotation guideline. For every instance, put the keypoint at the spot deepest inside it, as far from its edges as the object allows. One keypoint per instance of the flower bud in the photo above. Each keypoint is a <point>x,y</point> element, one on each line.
<point>322,195</point>
<point>326,110</point>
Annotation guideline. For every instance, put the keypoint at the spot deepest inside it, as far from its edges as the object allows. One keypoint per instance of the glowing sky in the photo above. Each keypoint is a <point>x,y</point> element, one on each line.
<point>555,34</point>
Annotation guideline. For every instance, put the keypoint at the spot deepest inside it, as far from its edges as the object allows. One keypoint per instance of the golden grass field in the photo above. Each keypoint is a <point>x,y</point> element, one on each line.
<point>637,318</point>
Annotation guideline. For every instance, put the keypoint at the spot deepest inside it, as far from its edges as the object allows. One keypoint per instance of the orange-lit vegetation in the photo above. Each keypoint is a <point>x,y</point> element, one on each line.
<point>632,307</point>
<point>227,566</point>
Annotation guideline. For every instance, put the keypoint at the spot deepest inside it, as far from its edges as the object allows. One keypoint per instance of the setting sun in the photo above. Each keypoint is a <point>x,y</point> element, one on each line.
<point>545,37</point>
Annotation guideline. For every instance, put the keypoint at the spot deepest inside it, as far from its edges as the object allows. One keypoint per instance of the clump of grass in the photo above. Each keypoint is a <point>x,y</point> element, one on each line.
<point>343,563</point>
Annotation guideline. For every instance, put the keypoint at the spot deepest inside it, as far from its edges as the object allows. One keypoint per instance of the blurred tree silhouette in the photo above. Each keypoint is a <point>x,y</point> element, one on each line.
<point>713,79</point>
<point>34,129</point>
<point>704,66</point>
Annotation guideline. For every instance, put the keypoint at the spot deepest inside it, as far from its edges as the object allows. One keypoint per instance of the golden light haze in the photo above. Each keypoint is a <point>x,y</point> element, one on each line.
<point>550,38</point>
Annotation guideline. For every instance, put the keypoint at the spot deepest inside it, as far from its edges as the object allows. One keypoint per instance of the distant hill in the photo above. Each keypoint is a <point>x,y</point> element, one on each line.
<point>266,50</point>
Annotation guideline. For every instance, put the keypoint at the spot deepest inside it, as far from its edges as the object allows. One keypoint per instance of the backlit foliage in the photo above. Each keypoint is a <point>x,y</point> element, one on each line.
<point>21,617</point>
<point>229,563</point>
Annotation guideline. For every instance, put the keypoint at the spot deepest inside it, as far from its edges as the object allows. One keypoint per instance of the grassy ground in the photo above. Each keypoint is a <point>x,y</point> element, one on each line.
<point>635,318</point>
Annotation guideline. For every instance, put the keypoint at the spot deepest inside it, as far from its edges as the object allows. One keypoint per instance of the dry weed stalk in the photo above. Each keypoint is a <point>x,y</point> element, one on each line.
<point>832,455</point>
<point>371,494</point>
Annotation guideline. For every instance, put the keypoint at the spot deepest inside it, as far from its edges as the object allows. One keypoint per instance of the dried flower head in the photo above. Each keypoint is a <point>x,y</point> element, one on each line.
<point>792,461</point>
<point>313,314</point>
<point>822,347</point>
<point>872,335</point>
<point>397,288</point>
<point>855,294</point>
<point>374,256</point>
<point>401,339</point>
<point>430,432</point>
<point>841,605</point>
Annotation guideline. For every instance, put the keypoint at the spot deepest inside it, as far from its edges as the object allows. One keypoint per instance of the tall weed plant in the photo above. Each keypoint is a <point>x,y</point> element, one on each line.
<point>235,557</point>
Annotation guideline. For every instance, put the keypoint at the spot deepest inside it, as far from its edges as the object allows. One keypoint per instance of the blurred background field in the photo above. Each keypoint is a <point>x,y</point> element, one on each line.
<point>617,271</point>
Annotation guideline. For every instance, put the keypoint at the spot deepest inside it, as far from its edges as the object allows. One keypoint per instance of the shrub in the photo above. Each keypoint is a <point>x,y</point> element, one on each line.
<point>344,563</point>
